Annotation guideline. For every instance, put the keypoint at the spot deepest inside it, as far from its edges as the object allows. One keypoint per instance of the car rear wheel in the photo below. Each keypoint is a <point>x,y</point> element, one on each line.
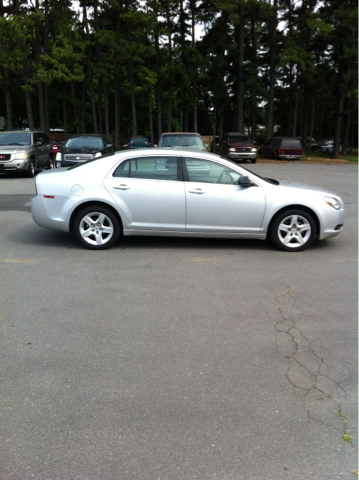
<point>31,169</point>
<point>292,230</point>
<point>96,227</point>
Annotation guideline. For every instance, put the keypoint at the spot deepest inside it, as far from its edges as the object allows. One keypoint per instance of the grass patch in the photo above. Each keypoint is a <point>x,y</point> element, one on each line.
<point>317,155</point>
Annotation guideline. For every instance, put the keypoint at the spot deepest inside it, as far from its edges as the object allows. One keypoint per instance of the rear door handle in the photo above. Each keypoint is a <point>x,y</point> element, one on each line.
<point>122,187</point>
<point>199,191</point>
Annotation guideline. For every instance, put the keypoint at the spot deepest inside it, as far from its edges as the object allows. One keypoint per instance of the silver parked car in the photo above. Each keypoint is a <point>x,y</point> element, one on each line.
<point>25,151</point>
<point>181,193</point>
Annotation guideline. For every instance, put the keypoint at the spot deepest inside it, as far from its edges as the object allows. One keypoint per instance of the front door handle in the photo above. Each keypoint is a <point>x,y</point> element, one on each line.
<point>122,187</point>
<point>199,191</point>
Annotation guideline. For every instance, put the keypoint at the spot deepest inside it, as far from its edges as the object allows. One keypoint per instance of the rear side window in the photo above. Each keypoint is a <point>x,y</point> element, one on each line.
<point>149,168</point>
<point>291,143</point>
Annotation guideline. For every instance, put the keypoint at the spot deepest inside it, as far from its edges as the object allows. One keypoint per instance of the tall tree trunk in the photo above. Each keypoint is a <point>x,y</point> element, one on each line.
<point>295,113</point>
<point>270,109</point>
<point>83,109</point>
<point>46,85</point>
<point>118,88</point>
<point>348,114</point>
<point>195,100</point>
<point>75,107</point>
<point>89,74</point>
<point>214,128</point>
<point>239,123</point>
<point>64,109</point>
<point>169,72</point>
<point>150,114</point>
<point>8,99</point>
<point>158,87</point>
<point>339,114</point>
<point>29,108</point>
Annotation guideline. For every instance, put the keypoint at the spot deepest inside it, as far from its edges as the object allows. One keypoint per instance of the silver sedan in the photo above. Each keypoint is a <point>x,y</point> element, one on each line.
<point>181,193</point>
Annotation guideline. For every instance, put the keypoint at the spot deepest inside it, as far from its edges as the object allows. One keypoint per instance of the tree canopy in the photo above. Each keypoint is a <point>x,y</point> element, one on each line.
<point>128,67</point>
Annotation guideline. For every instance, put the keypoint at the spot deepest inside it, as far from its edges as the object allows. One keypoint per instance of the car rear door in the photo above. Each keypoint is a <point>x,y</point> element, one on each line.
<point>215,203</point>
<point>150,192</point>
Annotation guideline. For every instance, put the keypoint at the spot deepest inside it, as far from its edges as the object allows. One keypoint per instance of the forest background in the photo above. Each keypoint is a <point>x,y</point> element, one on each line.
<point>127,68</point>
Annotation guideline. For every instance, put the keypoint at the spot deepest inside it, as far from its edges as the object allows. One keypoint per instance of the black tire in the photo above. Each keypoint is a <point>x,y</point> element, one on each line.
<point>292,230</point>
<point>101,218</point>
<point>253,160</point>
<point>30,173</point>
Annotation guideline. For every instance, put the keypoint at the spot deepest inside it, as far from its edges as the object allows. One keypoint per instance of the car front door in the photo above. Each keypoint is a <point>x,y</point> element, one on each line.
<point>215,203</point>
<point>150,192</point>
<point>39,147</point>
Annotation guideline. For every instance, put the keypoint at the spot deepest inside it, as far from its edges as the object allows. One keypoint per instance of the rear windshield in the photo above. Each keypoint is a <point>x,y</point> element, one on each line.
<point>290,143</point>
<point>139,140</point>
<point>239,139</point>
<point>181,140</point>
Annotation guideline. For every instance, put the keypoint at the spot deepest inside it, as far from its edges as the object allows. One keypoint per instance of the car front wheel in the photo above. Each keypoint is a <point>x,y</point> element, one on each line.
<point>96,227</point>
<point>292,230</point>
<point>31,169</point>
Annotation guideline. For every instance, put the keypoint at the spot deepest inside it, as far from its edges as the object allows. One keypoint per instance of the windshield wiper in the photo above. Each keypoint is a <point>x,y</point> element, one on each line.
<point>13,144</point>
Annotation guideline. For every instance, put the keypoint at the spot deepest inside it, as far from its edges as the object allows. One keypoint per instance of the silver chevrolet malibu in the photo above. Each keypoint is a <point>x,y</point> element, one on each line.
<point>181,193</point>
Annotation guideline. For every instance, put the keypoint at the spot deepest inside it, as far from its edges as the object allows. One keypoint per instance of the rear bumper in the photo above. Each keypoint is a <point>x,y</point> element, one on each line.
<point>289,157</point>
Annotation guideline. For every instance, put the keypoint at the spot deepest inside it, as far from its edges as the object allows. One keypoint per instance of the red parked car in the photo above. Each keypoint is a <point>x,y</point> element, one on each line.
<point>57,144</point>
<point>282,148</point>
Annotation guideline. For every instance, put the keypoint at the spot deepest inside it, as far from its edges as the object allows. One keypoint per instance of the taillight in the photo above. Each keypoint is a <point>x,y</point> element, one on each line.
<point>301,152</point>
<point>279,151</point>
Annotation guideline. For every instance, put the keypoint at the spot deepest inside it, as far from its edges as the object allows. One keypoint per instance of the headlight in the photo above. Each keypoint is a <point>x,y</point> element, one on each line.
<point>98,154</point>
<point>20,156</point>
<point>58,156</point>
<point>253,150</point>
<point>231,149</point>
<point>333,202</point>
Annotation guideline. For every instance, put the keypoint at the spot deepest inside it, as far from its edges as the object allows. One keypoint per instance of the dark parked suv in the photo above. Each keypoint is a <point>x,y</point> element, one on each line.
<point>282,148</point>
<point>80,148</point>
<point>237,147</point>
<point>25,151</point>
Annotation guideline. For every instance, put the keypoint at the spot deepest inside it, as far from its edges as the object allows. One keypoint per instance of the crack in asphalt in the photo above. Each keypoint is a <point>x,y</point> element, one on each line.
<point>316,376</point>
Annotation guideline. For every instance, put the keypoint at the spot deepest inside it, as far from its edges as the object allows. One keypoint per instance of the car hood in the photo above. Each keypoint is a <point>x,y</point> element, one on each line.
<point>302,186</point>
<point>13,148</point>
<point>80,150</point>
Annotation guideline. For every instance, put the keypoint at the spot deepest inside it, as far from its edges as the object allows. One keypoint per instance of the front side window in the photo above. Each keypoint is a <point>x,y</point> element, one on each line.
<point>149,168</point>
<point>205,171</point>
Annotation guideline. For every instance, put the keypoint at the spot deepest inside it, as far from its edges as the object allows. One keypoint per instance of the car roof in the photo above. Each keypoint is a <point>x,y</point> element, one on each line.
<point>181,133</point>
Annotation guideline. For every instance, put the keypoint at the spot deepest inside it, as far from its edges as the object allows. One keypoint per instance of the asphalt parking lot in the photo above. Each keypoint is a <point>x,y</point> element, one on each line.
<point>175,359</point>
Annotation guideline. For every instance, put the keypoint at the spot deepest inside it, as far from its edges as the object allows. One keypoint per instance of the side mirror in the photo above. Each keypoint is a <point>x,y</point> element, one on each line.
<point>245,182</point>
<point>37,144</point>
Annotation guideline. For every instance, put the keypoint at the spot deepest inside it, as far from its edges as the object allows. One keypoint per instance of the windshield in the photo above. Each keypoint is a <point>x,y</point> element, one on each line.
<point>15,138</point>
<point>84,142</point>
<point>180,140</point>
<point>239,139</point>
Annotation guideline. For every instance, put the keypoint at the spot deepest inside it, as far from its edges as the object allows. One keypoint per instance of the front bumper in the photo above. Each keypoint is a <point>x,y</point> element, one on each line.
<point>242,156</point>
<point>18,165</point>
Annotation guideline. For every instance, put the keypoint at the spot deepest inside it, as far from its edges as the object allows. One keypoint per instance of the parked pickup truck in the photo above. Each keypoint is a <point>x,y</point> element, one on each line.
<point>138,142</point>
